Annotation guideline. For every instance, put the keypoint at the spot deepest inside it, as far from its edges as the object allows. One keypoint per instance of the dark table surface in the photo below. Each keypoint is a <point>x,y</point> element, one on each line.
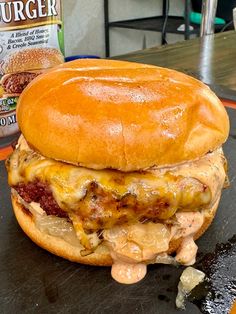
<point>210,59</point>
<point>34,281</point>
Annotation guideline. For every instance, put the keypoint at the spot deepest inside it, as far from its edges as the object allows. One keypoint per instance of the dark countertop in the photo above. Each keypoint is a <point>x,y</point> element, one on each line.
<point>211,59</point>
<point>34,281</point>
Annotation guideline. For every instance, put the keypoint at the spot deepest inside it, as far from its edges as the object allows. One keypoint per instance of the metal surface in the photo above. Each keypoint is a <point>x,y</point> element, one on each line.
<point>138,23</point>
<point>206,54</point>
<point>165,10</point>
<point>187,8</point>
<point>208,17</point>
<point>34,281</point>
<point>106,24</point>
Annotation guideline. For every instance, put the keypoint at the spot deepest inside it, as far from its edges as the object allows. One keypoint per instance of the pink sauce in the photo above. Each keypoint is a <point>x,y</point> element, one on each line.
<point>128,273</point>
<point>190,222</point>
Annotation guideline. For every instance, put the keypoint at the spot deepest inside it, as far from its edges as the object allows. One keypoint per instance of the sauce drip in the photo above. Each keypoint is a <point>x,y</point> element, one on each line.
<point>186,255</point>
<point>128,273</point>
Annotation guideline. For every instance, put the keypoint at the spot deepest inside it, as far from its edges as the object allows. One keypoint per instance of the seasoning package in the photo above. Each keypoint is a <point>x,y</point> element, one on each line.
<point>31,42</point>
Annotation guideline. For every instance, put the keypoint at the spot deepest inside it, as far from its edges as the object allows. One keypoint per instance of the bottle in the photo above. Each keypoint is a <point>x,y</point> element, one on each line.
<point>31,42</point>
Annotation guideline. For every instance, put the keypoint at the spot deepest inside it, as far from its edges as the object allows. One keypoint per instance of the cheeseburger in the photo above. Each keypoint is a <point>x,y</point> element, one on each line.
<point>21,67</point>
<point>120,164</point>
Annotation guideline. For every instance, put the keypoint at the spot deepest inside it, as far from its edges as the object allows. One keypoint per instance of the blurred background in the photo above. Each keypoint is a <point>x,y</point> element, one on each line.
<point>85,27</point>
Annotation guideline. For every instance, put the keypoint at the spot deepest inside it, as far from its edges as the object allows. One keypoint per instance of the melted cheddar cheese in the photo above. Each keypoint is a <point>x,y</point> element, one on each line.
<point>155,193</point>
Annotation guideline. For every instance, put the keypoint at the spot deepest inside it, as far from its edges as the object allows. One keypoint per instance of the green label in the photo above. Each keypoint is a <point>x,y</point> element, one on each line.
<point>8,104</point>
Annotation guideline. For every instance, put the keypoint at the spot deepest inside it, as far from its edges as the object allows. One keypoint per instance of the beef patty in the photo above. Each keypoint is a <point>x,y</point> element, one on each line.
<point>15,83</point>
<point>100,209</point>
<point>40,193</point>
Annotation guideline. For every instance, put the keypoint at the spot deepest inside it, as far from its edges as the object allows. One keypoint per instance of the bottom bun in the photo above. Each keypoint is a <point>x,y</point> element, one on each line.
<point>63,249</point>
<point>57,245</point>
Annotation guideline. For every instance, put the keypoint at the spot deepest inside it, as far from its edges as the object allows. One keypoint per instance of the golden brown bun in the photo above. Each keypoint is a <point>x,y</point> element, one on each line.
<point>63,249</point>
<point>120,115</point>
<point>32,59</point>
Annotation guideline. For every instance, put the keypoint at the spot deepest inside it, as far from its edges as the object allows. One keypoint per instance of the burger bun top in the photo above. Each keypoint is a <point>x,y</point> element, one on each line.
<point>120,115</point>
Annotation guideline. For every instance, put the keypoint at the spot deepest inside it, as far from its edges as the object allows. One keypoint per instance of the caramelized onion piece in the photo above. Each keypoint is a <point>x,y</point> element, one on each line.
<point>189,279</point>
<point>57,227</point>
<point>138,242</point>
